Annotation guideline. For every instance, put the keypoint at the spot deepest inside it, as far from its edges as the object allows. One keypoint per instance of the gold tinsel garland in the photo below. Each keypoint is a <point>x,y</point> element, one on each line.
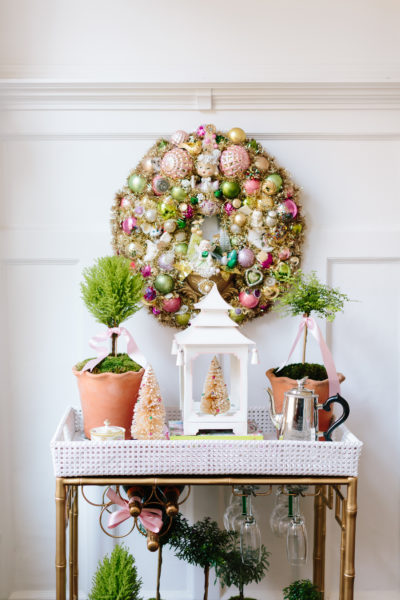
<point>157,219</point>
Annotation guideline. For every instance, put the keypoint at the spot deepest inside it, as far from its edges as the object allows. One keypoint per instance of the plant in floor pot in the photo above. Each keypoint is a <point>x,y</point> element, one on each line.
<point>302,590</point>
<point>116,577</point>
<point>307,296</point>
<point>109,384</point>
<point>232,571</point>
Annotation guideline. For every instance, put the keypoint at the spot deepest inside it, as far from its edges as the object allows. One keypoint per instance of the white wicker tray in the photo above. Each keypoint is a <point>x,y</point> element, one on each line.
<point>74,456</point>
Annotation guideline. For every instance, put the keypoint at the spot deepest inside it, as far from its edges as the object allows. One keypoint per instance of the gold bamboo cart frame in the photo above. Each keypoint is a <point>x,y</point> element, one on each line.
<point>328,494</point>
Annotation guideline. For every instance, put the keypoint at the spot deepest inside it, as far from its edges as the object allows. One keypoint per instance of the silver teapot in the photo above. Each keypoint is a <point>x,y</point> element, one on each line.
<point>299,419</point>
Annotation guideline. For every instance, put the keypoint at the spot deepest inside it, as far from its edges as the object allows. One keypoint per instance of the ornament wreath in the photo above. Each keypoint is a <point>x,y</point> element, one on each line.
<point>157,222</point>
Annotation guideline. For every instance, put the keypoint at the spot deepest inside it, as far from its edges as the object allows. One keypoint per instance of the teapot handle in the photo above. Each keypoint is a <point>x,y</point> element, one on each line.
<point>346,411</point>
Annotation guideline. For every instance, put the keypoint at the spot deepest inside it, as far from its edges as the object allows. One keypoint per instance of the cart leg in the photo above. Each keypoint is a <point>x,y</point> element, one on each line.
<point>75,544</point>
<point>347,571</point>
<point>61,562</point>
<point>319,539</point>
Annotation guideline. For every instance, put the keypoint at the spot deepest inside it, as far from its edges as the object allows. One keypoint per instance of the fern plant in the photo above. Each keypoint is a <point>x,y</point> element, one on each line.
<point>302,590</point>
<point>112,292</point>
<point>116,577</point>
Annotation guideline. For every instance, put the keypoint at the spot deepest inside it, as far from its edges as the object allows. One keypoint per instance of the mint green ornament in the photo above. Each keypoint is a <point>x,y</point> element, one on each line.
<point>164,284</point>
<point>137,183</point>
<point>178,193</point>
<point>181,248</point>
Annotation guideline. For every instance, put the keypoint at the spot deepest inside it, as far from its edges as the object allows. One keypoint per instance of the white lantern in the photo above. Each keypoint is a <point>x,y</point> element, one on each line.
<point>212,332</point>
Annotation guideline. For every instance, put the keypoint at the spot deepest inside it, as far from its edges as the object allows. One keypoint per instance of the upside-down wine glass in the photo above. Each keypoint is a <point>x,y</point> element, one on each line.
<point>296,537</point>
<point>250,536</point>
<point>233,509</point>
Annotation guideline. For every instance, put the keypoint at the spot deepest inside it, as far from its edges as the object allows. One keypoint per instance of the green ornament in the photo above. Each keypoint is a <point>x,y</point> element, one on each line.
<point>181,223</point>
<point>181,248</point>
<point>250,202</point>
<point>164,284</point>
<point>162,145</point>
<point>253,145</point>
<point>205,253</point>
<point>178,193</point>
<point>232,259</point>
<point>297,228</point>
<point>218,193</point>
<point>236,314</point>
<point>220,138</point>
<point>194,200</point>
<point>182,319</point>
<point>253,276</point>
<point>273,183</point>
<point>283,272</point>
<point>167,210</point>
<point>230,189</point>
<point>137,183</point>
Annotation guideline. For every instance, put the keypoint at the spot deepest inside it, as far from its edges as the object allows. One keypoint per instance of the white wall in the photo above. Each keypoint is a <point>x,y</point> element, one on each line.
<point>66,146</point>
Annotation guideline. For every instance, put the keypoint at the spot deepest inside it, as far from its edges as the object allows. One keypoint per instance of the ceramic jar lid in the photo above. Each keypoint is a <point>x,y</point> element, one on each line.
<point>107,433</point>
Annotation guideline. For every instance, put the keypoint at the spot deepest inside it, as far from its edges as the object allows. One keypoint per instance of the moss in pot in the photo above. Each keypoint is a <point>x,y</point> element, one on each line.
<point>307,296</point>
<point>112,292</point>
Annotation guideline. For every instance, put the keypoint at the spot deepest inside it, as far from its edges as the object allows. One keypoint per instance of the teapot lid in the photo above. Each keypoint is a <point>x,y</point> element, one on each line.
<point>300,391</point>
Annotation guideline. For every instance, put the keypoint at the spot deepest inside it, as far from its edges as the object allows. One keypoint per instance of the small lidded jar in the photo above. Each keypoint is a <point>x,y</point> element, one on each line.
<point>108,433</point>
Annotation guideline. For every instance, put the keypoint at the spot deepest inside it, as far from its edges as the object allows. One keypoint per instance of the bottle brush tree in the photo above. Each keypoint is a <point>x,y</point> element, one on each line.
<point>232,571</point>
<point>116,577</point>
<point>302,590</point>
<point>202,544</point>
<point>149,416</point>
<point>215,398</point>
<point>112,292</point>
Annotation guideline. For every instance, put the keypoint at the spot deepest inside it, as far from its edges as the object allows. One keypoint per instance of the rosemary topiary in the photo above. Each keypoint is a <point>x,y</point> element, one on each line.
<point>233,571</point>
<point>116,577</point>
<point>302,590</point>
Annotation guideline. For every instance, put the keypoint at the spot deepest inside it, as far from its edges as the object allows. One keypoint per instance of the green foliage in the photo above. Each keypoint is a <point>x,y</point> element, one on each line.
<point>306,295</point>
<point>116,577</point>
<point>111,290</point>
<point>300,370</point>
<point>233,571</point>
<point>122,363</point>
<point>302,590</point>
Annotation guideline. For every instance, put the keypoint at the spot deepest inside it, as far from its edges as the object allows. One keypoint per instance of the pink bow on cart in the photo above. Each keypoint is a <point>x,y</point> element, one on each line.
<point>150,517</point>
<point>103,351</point>
<point>310,323</point>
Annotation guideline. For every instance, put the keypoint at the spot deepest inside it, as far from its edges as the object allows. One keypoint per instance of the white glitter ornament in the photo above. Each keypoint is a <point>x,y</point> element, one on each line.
<point>179,137</point>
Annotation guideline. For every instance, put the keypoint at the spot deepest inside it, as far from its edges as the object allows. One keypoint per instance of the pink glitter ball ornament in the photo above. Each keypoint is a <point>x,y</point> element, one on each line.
<point>251,186</point>
<point>177,163</point>
<point>291,207</point>
<point>228,208</point>
<point>146,271</point>
<point>179,137</point>
<point>129,224</point>
<point>234,160</point>
<point>248,299</point>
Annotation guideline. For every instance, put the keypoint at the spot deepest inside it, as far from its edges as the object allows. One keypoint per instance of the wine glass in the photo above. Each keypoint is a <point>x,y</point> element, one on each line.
<point>250,536</point>
<point>279,512</point>
<point>296,537</point>
<point>232,510</point>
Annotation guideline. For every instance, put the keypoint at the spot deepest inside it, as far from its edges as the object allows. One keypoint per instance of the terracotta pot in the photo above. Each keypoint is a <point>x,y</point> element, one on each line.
<point>280,385</point>
<point>109,396</point>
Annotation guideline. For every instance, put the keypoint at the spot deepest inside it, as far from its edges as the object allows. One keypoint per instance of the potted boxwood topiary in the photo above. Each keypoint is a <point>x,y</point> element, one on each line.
<point>307,296</point>
<point>302,590</point>
<point>116,577</point>
<point>109,384</point>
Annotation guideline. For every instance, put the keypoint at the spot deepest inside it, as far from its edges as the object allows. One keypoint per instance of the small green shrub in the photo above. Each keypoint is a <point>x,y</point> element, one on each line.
<point>302,590</point>
<point>116,577</point>
<point>300,370</point>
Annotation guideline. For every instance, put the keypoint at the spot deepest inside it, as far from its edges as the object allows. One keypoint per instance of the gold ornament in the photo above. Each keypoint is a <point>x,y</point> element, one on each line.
<point>237,135</point>
<point>265,203</point>
<point>240,219</point>
<point>170,226</point>
<point>183,207</point>
<point>147,165</point>
<point>193,148</point>
<point>236,203</point>
<point>262,163</point>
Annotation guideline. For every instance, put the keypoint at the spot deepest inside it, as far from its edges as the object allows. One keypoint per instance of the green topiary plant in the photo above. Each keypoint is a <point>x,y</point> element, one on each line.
<point>233,571</point>
<point>116,577</point>
<point>202,544</point>
<point>112,292</point>
<point>305,296</point>
<point>302,590</point>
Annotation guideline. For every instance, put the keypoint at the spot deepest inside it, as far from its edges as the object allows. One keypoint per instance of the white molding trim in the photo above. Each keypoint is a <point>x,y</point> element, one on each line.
<point>25,94</point>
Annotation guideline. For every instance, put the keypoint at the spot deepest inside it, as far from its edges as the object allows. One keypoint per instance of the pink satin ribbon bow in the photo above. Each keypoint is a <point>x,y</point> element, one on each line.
<point>150,517</point>
<point>310,323</point>
<point>103,351</point>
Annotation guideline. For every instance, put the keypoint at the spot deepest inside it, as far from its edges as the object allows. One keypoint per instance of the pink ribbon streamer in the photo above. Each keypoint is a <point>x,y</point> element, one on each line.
<point>103,351</point>
<point>310,323</point>
<point>151,518</point>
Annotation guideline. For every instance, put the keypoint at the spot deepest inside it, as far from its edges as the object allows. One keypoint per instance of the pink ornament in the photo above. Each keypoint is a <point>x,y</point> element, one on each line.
<point>201,132</point>
<point>125,202</point>
<point>268,262</point>
<point>189,212</point>
<point>251,186</point>
<point>284,254</point>
<point>129,224</point>
<point>246,257</point>
<point>160,185</point>
<point>177,163</point>
<point>146,271</point>
<point>208,208</point>
<point>172,305</point>
<point>179,137</point>
<point>156,311</point>
<point>228,208</point>
<point>248,299</point>
<point>234,160</point>
<point>291,208</point>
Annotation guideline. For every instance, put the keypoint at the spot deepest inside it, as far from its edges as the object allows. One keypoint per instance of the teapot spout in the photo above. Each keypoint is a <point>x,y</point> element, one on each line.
<point>276,418</point>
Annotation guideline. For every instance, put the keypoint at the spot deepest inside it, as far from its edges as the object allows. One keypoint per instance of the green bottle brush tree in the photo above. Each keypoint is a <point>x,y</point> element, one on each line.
<point>116,577</point>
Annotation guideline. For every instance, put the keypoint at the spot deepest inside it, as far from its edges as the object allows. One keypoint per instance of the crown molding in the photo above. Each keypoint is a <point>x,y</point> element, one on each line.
<point>26,94</point>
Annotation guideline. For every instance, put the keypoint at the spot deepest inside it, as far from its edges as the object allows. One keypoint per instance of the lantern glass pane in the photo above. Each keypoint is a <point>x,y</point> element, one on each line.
<point>202,373</point>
